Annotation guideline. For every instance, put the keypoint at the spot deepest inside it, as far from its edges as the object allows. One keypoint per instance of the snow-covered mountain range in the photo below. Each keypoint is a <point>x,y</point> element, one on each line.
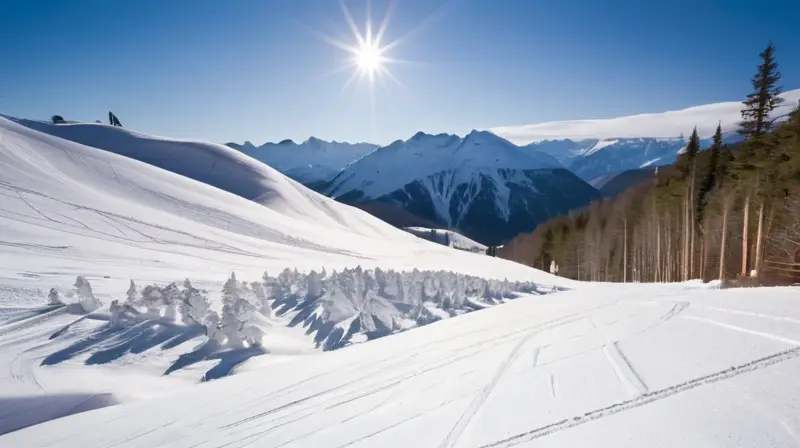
<point>599,149</point>
<point>596,161</point>
<point>311,161</point>
<point>487,187</point>
<point>481,185</point>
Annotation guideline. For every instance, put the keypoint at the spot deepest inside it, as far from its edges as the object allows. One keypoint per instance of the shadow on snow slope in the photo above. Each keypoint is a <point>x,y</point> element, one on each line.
<point>20,412</point>
<point>108,344</point>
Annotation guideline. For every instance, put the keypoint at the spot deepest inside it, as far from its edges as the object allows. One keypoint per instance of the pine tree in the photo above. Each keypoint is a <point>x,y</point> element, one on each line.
<point>756,120</point>
<point>756,155</point>
<point>710,175</point>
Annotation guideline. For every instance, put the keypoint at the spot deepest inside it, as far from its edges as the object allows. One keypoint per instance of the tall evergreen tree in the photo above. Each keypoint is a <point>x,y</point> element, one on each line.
<point>686,160</point>
<point>711,172</point>
<point>756,120</point>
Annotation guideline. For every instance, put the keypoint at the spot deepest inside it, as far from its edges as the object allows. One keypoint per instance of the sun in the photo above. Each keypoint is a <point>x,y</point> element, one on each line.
<point>367,52</point>
<point>368,58</point>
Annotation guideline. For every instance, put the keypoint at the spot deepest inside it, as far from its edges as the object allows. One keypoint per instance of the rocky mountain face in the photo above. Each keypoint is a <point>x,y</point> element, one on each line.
<point>480,185</point>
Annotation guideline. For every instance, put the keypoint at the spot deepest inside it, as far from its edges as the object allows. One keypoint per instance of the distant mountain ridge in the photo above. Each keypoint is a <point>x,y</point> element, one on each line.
<point>480,185</point>
<point>488,188</point>
<point>309,162</point>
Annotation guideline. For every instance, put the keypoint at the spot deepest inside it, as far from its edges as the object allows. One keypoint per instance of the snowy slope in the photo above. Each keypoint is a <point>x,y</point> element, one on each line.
<point>68,209</point>
<point>481,185</point>
<point>311,161</point>
<point>216,165</point>
<point>65,201</point>
<point>627,366</point>
<point>448,238</point>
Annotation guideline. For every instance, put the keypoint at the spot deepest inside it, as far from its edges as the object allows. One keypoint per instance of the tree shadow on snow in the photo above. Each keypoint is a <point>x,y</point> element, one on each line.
<point>110,343</point>
<point>20,412</point>
<point>228,359</point>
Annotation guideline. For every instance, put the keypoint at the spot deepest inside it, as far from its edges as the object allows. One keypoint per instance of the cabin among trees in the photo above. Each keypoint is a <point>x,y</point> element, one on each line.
<point>729,213</point>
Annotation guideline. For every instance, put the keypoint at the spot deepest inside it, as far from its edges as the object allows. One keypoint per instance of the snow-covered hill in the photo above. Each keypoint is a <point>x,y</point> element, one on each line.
<point>67,210</point>
<point>309,162</point>
<point>481,185</point>
<point>448,238</point>
<point>597,149</point>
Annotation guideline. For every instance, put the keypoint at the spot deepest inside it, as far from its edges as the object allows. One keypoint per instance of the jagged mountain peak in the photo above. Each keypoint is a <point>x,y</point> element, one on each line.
<point>481,183</point>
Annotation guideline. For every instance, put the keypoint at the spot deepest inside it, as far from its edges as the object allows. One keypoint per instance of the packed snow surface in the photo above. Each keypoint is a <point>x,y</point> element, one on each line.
<point>666,124</point>
<point>644,365</point>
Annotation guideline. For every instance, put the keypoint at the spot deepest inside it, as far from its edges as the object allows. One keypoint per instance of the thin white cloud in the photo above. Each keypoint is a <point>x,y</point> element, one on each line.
<point>661,125</point>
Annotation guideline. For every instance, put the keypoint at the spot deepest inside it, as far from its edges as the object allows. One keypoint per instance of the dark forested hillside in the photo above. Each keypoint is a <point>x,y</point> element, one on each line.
<point>729,213</point>
<point>626,179</point>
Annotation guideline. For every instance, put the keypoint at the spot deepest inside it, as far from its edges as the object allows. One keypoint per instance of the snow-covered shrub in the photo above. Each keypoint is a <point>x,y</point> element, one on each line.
<point>213,331</point>
<point>86,298</point>
<point>117,312</point>
<point>337,309</point>
<point>54,298</point>
<point>153,300</point>
<point>193,304</point>
<point>241,323</point>
<point>134,298</point>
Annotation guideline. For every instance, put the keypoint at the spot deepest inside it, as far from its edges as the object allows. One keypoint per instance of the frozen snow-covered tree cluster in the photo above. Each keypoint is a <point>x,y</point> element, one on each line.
<point>337,308</point>
<point>356,304</point>
<point>242,322</point>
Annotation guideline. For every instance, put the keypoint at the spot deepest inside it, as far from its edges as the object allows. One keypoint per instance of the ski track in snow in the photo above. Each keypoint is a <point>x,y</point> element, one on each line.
<point>743,330</point>
<point>647,398</point>
<point>480,398</point>
<point>624,370</point>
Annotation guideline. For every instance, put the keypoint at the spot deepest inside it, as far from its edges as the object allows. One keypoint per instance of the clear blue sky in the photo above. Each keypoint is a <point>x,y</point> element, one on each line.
<point>256,69</point>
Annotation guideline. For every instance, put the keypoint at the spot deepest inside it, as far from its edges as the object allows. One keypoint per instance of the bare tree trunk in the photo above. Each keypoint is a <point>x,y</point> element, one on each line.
<point>658,251</point>
<point>745,232</point>
<point>686,238</point>
<point>759,239</point>
<point>625,251</point>
<point>724,240</point>
<point>692,221</point>
<point>703,252</point>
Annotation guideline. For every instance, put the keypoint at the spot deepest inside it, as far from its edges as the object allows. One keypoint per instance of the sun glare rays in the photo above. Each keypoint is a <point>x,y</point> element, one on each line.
<point>367,53</point>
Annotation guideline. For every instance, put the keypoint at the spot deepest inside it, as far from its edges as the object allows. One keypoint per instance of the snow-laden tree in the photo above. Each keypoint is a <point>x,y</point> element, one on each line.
<point>86,298</point>
<point>262,300</point>
<point>213,324</point>
<point>253,326</point>
<point>133,296</point>
<point>241,322</point>
<point>194,305</point>
<point>54,298</point>
<point>117,312</point>
<point>230,291</point>
<point>153,300</point>
<point>171,296</point>
<point>314,281</point>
